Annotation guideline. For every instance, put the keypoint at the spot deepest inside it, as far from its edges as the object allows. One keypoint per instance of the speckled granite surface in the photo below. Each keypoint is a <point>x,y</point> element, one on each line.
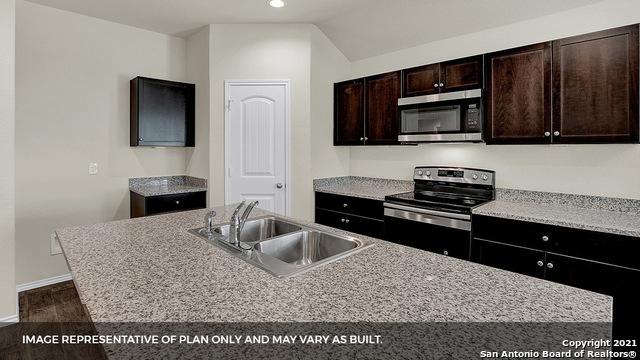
<point>610,215</point>
<point>152,269</point>
<point>363,187</point>
<point>164,185</point>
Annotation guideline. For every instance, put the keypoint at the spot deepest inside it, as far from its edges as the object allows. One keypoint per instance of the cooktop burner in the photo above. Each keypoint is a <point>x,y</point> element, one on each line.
<point>448,189</point>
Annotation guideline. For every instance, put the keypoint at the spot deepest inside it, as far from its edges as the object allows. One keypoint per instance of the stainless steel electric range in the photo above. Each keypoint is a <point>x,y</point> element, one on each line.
<point>436,216</point>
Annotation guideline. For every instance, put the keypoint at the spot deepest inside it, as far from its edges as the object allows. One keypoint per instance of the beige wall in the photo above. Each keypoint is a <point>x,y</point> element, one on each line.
<point>72,108</point>
<point>611,170</point>
<point>7,148</point>
<point>198,73</point>
<point>263,52</point>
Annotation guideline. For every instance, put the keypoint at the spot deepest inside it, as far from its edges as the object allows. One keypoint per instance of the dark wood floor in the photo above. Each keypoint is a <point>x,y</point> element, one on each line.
<point>49,310</point>
<point>53,303</point>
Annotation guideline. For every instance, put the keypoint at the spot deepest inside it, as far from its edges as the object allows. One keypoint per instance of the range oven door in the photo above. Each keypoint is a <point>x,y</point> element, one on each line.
<point>436,231</point>
<point>441,117</point>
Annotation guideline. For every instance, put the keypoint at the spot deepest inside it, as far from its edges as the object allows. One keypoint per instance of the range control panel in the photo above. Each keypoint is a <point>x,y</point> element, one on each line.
<point>455,175</point>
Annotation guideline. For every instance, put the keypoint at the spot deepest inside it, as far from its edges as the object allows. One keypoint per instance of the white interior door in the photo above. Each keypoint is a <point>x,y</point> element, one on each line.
<point>256,143</point>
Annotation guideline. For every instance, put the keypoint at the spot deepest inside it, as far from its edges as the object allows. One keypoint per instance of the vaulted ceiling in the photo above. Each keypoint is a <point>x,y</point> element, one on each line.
<point>359,28</point>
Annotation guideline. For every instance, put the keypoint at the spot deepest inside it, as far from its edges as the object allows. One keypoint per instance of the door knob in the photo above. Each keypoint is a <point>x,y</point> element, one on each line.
<point>279,185</point>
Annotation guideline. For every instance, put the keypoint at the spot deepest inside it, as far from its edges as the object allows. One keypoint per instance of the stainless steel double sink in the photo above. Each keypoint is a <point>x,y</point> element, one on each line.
<point>282,247</point>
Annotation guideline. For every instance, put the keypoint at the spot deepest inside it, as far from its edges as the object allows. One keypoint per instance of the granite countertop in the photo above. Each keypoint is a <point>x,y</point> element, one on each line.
<point>166,185</point>
<point>603,214</point>
<point>153,269</point>
<point>362,187</point>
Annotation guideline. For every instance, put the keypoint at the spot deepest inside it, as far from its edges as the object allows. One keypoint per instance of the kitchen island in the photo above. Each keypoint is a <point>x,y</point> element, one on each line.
<point>153,270</point>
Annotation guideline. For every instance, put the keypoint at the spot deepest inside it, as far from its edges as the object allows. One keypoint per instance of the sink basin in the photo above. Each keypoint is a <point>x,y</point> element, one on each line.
<point>305,247</point>
<point>260,229</point>
<point>284,248</point>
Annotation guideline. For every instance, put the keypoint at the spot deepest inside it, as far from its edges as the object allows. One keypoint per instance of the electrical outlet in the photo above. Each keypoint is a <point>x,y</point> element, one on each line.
<point>93,168</point>
<point>55,245</point>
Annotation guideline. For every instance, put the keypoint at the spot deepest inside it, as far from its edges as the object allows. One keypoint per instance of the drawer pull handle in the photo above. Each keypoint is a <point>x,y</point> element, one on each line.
<point>550,265</point>
<point>540,263</point>
<point>545,238</point>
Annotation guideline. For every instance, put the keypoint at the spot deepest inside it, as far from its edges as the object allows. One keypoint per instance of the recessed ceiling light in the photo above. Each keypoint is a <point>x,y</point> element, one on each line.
<point>277,3</point>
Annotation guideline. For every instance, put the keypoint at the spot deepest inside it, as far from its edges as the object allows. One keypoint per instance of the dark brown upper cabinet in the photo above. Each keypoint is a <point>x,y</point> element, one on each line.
<point>162,113</point>
<point>454,75</point>
<point>381,119</point>
<point>595,87</point>
<point>348,108</point>
<point>421,80</point>
<point>518,95</point>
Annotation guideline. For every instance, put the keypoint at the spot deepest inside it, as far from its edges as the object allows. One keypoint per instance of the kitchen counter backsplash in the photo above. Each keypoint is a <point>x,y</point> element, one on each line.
<point>164,185</point>
<point>363,187</point>
<point>570,200</point>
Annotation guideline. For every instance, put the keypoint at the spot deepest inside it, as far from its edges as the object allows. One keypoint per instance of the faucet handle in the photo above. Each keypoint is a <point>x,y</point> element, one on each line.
<point>208,220</point>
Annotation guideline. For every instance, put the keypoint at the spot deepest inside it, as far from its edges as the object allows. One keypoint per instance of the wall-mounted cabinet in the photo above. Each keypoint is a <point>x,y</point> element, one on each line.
<point>454,75</point>
<point>587,94</point>
<point>366,110</point>
<point>595,87</point>
<point>162,113</point>
<point>518,95</point>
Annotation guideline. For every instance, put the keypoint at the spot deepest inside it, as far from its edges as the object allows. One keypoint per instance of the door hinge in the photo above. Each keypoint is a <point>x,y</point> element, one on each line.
<point>229,104</point>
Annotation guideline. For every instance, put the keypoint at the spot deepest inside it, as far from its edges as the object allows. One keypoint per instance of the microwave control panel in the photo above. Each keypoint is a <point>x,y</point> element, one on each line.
<point>473,118</point>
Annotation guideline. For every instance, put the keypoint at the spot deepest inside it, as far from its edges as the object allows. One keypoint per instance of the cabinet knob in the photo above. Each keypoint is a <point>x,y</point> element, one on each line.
<point>550,265</point>
<point>545,238</point>
<point>361,139</point>
<point>446,253</point>
<point>556,133</point>
<point>540,263</point>
<point>435,85</point>
<point>177,202</point>
<point>346,221</point>
<point>140,139</point>
<point>345,205</point>
<point>342,220</point>
<point>547,134</point>
<point>441,84</point>
<point>366,138</point>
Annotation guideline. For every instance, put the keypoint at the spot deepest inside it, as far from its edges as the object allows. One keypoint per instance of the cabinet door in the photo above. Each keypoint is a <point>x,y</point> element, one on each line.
<point>382,93</point>
<point>618,282</point>
<point>508,257</point>
<point>595,87</point>
<point>421,80</point>
<point>348,117</point>
<point>518,96</point>
<point>461,74</point>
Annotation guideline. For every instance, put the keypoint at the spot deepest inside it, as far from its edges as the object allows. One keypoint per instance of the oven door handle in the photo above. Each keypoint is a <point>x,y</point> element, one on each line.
<point>433,217</point>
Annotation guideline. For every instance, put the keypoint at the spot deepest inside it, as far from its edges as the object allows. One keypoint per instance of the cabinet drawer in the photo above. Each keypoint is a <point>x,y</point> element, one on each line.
<point>514,232</point>
<point>603,247</point>
<point>348,222</point>
<point>175,202</point>
<point>508,257</point>
<point>350,205</point>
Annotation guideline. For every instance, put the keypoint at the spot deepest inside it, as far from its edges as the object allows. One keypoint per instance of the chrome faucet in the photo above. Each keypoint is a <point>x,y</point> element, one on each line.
<point>238,221</point>
<point>208,221</point>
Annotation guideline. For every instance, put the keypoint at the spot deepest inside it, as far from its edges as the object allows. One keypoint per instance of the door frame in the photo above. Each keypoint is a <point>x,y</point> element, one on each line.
<point>287,124</point>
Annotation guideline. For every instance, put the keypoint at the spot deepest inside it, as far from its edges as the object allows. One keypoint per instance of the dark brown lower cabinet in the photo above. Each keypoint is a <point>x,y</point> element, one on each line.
<point>619,282</point>
<point>349,222</point>
<point>153,205</point>
<point>358,215</point>
<point>599,262</point>
<point>508,257</point>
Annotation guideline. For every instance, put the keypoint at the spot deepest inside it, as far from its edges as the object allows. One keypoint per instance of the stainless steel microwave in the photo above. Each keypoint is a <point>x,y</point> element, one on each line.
<point>447,117</point>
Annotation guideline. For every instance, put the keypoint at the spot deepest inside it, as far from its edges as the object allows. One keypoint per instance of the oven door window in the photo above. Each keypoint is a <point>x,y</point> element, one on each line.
<point>440,119</point>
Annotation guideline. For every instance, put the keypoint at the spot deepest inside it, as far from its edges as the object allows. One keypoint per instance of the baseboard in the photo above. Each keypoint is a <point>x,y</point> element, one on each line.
<point>8,320</point>
<point>44,282</point>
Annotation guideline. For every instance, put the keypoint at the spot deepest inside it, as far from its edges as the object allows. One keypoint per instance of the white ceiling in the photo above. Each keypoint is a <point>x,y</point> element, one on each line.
<point>359,28</point>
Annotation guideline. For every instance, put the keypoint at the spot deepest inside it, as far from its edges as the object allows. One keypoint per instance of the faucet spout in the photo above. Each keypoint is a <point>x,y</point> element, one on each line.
<point>245,215</point>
